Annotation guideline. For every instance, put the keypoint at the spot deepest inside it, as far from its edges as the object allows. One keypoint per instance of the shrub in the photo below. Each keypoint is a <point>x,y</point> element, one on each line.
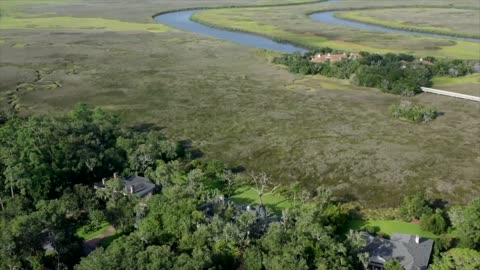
<point>434,223</point>
<point>393,265</point>
<point>414,206</point>
<point>405,110</point>
<point>373,230</point>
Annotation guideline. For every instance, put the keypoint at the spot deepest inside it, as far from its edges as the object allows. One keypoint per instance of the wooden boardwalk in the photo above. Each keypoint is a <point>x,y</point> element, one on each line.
<point>450,94</point>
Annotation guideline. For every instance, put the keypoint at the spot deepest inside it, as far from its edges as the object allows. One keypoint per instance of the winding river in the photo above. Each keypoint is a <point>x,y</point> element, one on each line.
<point>329,17</point>
<point>181,20</point>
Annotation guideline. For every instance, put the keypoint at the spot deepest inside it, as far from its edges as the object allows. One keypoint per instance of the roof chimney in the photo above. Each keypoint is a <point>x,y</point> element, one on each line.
<point>132,189</point>
<point>417,239</point>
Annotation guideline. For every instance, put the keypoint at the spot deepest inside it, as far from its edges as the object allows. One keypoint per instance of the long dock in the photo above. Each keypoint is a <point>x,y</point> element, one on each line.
<point>450,94</point>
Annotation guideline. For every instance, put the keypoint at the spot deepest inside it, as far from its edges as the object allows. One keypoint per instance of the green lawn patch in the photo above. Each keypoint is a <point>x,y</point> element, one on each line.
<point>109,239</point>
<point>90,235</point>
<point>247,195</point>
<point>390,227</point>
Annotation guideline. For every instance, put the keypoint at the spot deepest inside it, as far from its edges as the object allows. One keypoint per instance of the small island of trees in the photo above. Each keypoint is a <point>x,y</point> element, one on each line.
<point>400,74</point>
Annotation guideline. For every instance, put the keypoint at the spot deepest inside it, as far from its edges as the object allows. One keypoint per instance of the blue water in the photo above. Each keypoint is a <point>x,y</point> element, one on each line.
<point>329,17</point>
<point>182,21</point>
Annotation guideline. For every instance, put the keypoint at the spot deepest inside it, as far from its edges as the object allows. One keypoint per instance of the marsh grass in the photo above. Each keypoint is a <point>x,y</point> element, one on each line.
<point>443,21</point>
<point>293,26</point>
<point>237,107</point>
<point>389,227</point>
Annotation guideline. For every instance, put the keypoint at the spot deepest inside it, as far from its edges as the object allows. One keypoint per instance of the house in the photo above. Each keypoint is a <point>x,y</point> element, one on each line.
<point>260,212</point>
<point>412,251</point>
<point>137,185</point>
<point>332,58</point>
<point>421,61</point>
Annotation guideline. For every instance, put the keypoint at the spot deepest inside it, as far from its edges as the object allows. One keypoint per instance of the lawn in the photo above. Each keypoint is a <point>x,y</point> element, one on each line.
<point>390,227</point>
<point>454,22</point>
<point>90,235</point>
<point>247,195</point>
<point>109,239</point>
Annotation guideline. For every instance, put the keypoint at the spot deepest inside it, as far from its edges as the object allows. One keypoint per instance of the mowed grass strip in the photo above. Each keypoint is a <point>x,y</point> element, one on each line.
<point>390,227</point>
<point>248,195</point>
<point>90,235</point>
<point>443,21</point>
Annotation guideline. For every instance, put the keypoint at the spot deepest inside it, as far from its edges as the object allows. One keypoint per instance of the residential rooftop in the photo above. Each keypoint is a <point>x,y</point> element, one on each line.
<point>412,252</point>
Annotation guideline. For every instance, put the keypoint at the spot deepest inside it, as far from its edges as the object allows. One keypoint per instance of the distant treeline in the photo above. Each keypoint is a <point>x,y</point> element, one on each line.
<point>400,74</point>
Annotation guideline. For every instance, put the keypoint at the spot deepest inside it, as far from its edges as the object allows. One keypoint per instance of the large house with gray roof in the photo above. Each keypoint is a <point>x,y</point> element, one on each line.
<point>411,251</point>
<point>136,185</point>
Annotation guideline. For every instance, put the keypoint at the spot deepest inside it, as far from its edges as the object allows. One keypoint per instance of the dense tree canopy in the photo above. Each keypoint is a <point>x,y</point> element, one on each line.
<point>43,155</point>
<point>458,259</point>
<point>399,74</point>
<point>414,206</point>
<point>49,163</point>
<point>468,230</point>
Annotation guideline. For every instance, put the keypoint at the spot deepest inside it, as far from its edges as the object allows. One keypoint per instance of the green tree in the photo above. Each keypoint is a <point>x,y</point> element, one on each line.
<point>156,257</point>
<point>458,259</point>
<point>253,259</point>
<point>414,206</point>
<point>393,265</point>
<point>468,231</point>
<point>364,259</point>
<point>434,223</point>
<point>43,155</point>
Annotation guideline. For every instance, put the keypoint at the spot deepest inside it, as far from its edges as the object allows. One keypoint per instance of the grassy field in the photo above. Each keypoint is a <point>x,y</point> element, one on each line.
<point>72,23</point>
<point>237,107</point>
<point>469,85</point>
<point>445,21</point>
<point>447,81</point>
<point>247,195</point>
<point>90,235</point>
<point>291,24</point>
<point>390,227</point>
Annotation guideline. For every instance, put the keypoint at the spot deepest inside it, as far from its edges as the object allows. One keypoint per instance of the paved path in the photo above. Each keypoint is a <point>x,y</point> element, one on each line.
<point>450,94</point>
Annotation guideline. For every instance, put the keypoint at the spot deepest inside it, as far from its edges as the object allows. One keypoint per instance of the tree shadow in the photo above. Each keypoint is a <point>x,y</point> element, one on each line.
<point>439,203</point>
<point>238,169</point>
<point>146,127</point>
<point>347,197</point>
<point>187,146</point>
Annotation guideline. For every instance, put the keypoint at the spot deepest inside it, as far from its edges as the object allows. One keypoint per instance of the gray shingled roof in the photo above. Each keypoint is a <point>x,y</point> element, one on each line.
<point>141,185</point>
<point>403,247</point>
